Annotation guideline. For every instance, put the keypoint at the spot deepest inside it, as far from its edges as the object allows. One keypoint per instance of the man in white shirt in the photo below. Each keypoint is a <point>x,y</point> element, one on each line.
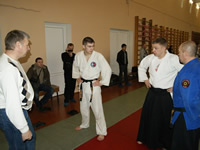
<point>87,68</point>
<point>154,130</point>
<point>16,93</point>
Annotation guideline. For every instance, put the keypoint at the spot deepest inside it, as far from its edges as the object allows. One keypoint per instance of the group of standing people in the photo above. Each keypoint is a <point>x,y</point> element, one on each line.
<point>91,70</point>
<point>17,92</point>
<point>173,88</point>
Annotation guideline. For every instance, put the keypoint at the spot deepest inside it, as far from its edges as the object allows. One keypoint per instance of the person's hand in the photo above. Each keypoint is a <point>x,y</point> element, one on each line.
<point>148,85</point>
<point>170,90</point>
<point>70,54</point>
<point>79,80</point>
<point>27,135</point>
<point>96,83</point>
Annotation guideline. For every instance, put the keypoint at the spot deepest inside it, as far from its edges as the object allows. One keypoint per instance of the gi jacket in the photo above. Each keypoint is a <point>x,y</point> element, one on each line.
<point>93,68</point>
<point>186,94</point>
<point>162,71</point>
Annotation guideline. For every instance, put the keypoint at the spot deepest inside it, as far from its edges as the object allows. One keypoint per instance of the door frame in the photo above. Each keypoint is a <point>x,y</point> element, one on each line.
<point>129,47</point>
<point>67,38</point>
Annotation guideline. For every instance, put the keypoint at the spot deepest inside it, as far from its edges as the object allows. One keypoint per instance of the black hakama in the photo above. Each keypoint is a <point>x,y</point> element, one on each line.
<point>154,130</point>
<point>182,138</point>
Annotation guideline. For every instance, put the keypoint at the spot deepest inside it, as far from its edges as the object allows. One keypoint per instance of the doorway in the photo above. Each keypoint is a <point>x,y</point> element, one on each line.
<point>57,37</point>
<point>117,38</point>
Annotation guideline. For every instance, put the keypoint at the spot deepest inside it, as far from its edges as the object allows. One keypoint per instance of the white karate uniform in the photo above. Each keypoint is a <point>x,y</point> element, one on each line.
<point>162,72</point>
<point>90,70</point>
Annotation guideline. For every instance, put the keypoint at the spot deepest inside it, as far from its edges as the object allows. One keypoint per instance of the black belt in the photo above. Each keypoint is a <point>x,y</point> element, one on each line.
<point>81,88</point>
<point>158,90</point>
<point>179,109</point>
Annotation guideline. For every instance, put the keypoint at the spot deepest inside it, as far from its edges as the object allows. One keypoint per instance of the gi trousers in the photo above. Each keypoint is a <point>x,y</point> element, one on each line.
<point>97,108</point>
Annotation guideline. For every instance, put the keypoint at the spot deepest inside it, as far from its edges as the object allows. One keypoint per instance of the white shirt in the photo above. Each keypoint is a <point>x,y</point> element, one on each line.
<point>10,92</point>
<point>162,72</point>
<point>92,68</point>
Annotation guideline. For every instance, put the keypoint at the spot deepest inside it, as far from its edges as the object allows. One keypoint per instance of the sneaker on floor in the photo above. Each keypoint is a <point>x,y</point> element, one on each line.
<point>73,100</point>
<point>66,104</point>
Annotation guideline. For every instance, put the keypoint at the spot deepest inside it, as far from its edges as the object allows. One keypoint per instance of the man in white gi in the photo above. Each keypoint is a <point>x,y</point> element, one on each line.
<point>16,93</point>
<point>154,130</point>
<point>88,66</point>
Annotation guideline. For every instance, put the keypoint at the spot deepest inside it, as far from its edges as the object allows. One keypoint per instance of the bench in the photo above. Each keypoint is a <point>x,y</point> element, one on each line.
<point>55,89</point>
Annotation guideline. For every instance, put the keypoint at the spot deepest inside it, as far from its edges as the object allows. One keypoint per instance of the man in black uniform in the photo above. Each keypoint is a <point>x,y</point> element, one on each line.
<point>122,59</point>
<point>68,58</point>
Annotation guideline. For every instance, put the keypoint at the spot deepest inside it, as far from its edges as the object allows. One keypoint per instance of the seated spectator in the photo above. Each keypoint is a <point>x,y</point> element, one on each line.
<point>39,77</point>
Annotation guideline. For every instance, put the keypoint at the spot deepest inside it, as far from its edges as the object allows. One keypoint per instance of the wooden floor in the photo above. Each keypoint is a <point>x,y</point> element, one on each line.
<point>59,112</point>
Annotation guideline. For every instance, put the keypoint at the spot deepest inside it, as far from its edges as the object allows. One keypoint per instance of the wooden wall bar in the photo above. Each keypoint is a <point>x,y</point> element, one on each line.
<point>146,32</point>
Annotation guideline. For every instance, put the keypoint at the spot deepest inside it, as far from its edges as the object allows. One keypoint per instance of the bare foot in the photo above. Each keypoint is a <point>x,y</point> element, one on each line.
<point>139,142</point>
<point>78,128</point>
<point>100,138</point>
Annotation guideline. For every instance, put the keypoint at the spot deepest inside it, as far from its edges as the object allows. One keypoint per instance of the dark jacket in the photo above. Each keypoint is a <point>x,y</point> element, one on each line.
<point>67,62</point>
<point>34,78</point>
<point>120,57</point>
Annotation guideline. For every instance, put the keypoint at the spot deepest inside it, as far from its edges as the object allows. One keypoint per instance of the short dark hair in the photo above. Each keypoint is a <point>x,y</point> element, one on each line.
<point>87,40</point>
<point>70,44</point>
<point>190,47</point>
<point>160,41</point>
<point>38,58</point>
<point>123,45</point>
<point>13,37</point>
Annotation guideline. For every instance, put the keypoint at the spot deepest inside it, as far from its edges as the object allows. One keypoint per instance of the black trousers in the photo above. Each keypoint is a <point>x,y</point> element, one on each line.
<point>123,69</point>
<point>154,129</point>
<point>70,84</point>
<point>49,92</point>
<point>182,138</point>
